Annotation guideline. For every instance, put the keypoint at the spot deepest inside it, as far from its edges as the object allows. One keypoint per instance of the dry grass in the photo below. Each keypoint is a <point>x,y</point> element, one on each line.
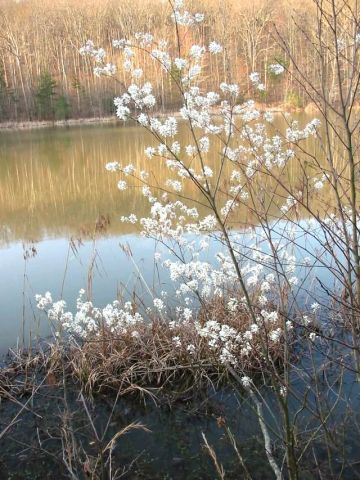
<point>149,362</point>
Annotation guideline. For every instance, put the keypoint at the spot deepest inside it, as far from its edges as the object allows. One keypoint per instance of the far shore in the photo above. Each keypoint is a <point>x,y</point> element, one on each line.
<point>35,124</point>
<point>27,125</point>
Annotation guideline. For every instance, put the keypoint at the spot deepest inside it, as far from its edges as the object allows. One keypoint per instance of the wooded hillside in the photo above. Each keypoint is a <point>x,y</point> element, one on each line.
<point>43,76</point>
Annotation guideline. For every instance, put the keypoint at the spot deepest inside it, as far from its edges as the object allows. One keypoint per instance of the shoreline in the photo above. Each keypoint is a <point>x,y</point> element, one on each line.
<point>37,124</point>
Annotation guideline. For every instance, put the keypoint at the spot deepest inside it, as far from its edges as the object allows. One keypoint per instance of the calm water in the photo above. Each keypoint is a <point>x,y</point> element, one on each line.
<point>54,189</point>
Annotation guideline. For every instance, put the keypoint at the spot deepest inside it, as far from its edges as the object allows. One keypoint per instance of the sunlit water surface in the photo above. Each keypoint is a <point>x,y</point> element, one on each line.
<point>54,193</point>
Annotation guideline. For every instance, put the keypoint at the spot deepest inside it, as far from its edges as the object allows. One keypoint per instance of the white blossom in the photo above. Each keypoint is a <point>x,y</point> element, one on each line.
<point>215,48</point>
<point>276,68</point>
<point>122,185</point>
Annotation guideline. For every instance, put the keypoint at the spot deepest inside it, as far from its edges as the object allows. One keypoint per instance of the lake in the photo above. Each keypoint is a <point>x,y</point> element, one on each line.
<point>60,214</point>
<point>60,230</point>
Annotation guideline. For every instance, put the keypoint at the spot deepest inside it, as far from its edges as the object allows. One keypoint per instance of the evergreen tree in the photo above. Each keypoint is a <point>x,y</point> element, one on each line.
<point>44,97</point>
<point>62,108</point>
<point>2,94</point>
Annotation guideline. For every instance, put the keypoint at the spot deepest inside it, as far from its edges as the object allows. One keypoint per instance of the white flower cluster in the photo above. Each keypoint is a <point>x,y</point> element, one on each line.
<point>43,301</point>
<point>215,48</point>
<point>233,346</point>
<point>250,151</point>
<point>89,49</point>
<point>89,320</point>
<point>109,69</point>
<point>98,54</point>
<point>232,339</point>
<point>294,134</point>
<point>276,68</point>
<point>183,17</point>
<point>138,97</point>
<point>255,80</point>
<point>290,202</point>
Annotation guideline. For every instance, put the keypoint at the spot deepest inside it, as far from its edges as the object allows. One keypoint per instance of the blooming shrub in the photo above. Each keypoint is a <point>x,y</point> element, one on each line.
<point>258,278</point>
<point>245,310</point>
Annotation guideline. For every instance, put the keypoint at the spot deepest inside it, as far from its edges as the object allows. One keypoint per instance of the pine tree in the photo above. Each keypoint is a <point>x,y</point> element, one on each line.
<point>44,97</point>
<point>62,108</point>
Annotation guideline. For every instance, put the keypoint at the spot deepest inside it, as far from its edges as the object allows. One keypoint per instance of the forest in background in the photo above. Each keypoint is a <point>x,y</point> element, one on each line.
<point>43,76</point>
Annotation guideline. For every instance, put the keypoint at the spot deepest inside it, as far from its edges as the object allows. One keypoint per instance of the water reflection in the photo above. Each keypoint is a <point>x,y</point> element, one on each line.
<point>53,182</point>
<point>57,268</point>
<point>54,186</point>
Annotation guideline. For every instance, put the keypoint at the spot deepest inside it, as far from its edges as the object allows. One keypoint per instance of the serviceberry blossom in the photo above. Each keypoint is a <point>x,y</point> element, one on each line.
<point>196,51</point>
<point>132,218</point>
<point>109,69</point>
<point>121,43</point>
<point>43,301</point>
<point>283,391</point>
<point>89,49</point>
<point>254,78</point>
<point>176,341</point>
<point>150,152</point>
<point>315,307</point>
<point>275,335</point>
<point>159,304</point>
<point>112,166</point>
<point>208,254</point>
<point>246,382</point>
<point>276,68</point>
<point>137,73</point>
<point>183,17</point>
<point>199,17</point>
<point>88,319</point>
<point>319,182</point>
<point>204,144</point>
<point>122,185</point>
<point>215,48</point>
<point>232,89</point>
<point>180,63</point>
